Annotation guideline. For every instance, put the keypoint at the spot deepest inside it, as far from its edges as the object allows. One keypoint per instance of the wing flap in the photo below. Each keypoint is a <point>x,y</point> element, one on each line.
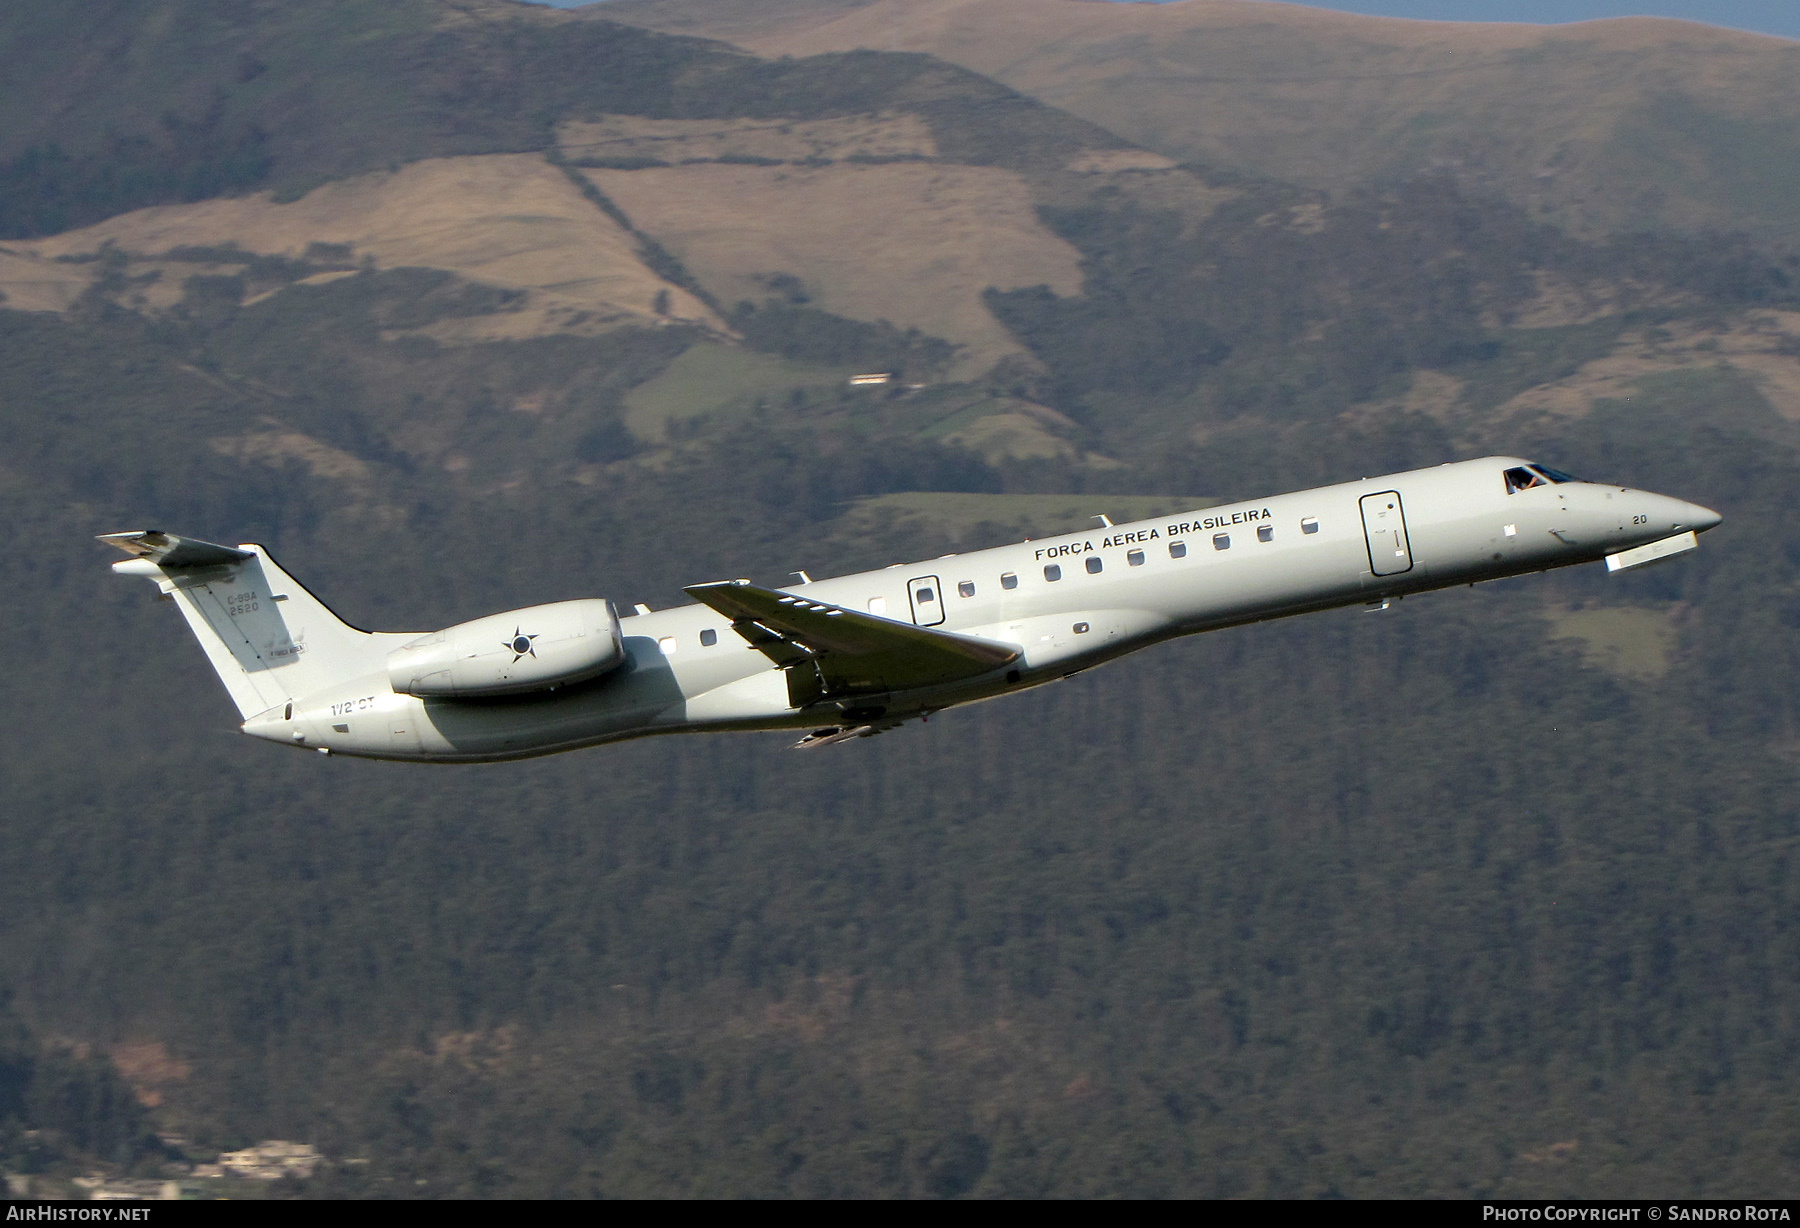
<point>850,652</point>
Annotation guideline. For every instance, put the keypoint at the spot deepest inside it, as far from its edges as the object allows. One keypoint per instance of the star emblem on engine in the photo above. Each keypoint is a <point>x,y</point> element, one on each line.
<point>520,644</point>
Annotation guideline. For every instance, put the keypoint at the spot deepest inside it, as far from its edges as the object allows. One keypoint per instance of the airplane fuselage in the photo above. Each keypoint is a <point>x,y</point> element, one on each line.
<point>1067,603</point>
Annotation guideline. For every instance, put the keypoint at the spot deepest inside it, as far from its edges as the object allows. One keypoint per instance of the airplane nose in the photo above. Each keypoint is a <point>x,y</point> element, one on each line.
<point>1677,515</point>
<point>1698,518</point>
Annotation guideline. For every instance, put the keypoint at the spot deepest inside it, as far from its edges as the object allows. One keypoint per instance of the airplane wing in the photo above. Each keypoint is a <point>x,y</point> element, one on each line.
<point>829,650</point>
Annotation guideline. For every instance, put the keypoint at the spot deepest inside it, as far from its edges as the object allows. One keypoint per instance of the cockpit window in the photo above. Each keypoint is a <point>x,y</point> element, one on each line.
<point>1556,475</point>
<point>1523,479</point>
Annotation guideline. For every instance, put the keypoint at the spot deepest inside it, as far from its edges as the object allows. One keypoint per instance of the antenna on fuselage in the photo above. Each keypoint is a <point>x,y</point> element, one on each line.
<point>1102,518</point>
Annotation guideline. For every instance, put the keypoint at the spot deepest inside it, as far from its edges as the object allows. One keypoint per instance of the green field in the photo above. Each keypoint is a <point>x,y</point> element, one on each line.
<point>1629,642</point>
<point>721,382</point>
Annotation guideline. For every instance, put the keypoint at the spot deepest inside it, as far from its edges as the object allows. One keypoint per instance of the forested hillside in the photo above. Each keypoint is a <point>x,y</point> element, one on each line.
<point>1490,893</point>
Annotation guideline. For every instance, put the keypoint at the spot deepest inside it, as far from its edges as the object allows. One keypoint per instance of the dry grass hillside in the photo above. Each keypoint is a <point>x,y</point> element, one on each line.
<point>1603,126</point>
<point>858,211</point>
<point>511,220</point>
<point>913,243</point>
<point>30,283</point>
<point>637,139</point>
<point>1750,357</point>
<point>1763,347</point>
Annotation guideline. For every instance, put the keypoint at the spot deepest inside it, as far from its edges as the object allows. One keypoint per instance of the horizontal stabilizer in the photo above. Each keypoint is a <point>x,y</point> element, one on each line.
<point>167,550</point>
<point>845,652</point>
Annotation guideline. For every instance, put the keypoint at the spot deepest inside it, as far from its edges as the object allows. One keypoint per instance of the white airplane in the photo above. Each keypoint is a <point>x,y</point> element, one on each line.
<point>859,654</point>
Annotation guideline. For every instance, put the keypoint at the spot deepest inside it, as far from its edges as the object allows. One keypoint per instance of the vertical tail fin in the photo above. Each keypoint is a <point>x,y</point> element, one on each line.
<point>269,640</point>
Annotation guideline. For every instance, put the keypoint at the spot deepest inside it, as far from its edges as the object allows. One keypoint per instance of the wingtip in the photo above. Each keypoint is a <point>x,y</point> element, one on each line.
<point>168,550</point>
<point>135,541</point>
<point>694,590</point>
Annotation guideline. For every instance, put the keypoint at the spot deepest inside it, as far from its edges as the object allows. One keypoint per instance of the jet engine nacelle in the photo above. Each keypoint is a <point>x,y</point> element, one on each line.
<point>533,649</point>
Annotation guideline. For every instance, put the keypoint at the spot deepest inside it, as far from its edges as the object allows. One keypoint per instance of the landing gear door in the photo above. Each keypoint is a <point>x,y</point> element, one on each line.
<point>927,600</point>
<point>1384,523</point>
<point>403,730</point>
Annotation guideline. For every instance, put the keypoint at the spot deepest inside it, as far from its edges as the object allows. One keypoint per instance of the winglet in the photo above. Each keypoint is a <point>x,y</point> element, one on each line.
<point>167,550</point>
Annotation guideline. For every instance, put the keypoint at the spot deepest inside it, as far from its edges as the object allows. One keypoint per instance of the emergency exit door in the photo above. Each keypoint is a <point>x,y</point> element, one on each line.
<point>1384,524</point>
<point>927,600</point>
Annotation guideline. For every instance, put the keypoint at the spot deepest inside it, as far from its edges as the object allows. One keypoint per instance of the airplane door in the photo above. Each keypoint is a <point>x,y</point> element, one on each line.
<point>927,600</point>
<point>1384,523</point>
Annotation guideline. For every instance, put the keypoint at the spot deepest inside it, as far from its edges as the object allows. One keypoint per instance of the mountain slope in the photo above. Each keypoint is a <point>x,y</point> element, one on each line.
<point>186,99</point>
<point>1602,126</point>
<point>511,221</point>
<point>1489,894</point>
<point>437,134</point>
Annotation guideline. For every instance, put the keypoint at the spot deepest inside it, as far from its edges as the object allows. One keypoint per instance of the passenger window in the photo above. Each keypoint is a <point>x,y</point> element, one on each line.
<point>1221,541</point>
<point>966,588</point>
<point>667,644</point>
<point>1310,525</point>
<point>1081,628</point>
<point>1052,571</point>
<point>1135,558</point>
<point>1522,479</point>
<point>1009,580</point>
<point>1265,532</point>
<point>878,605</point>
<point>1178,550</point>
<point>1094,565</point>
<point>708,638</point>
<point>925,596</point>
